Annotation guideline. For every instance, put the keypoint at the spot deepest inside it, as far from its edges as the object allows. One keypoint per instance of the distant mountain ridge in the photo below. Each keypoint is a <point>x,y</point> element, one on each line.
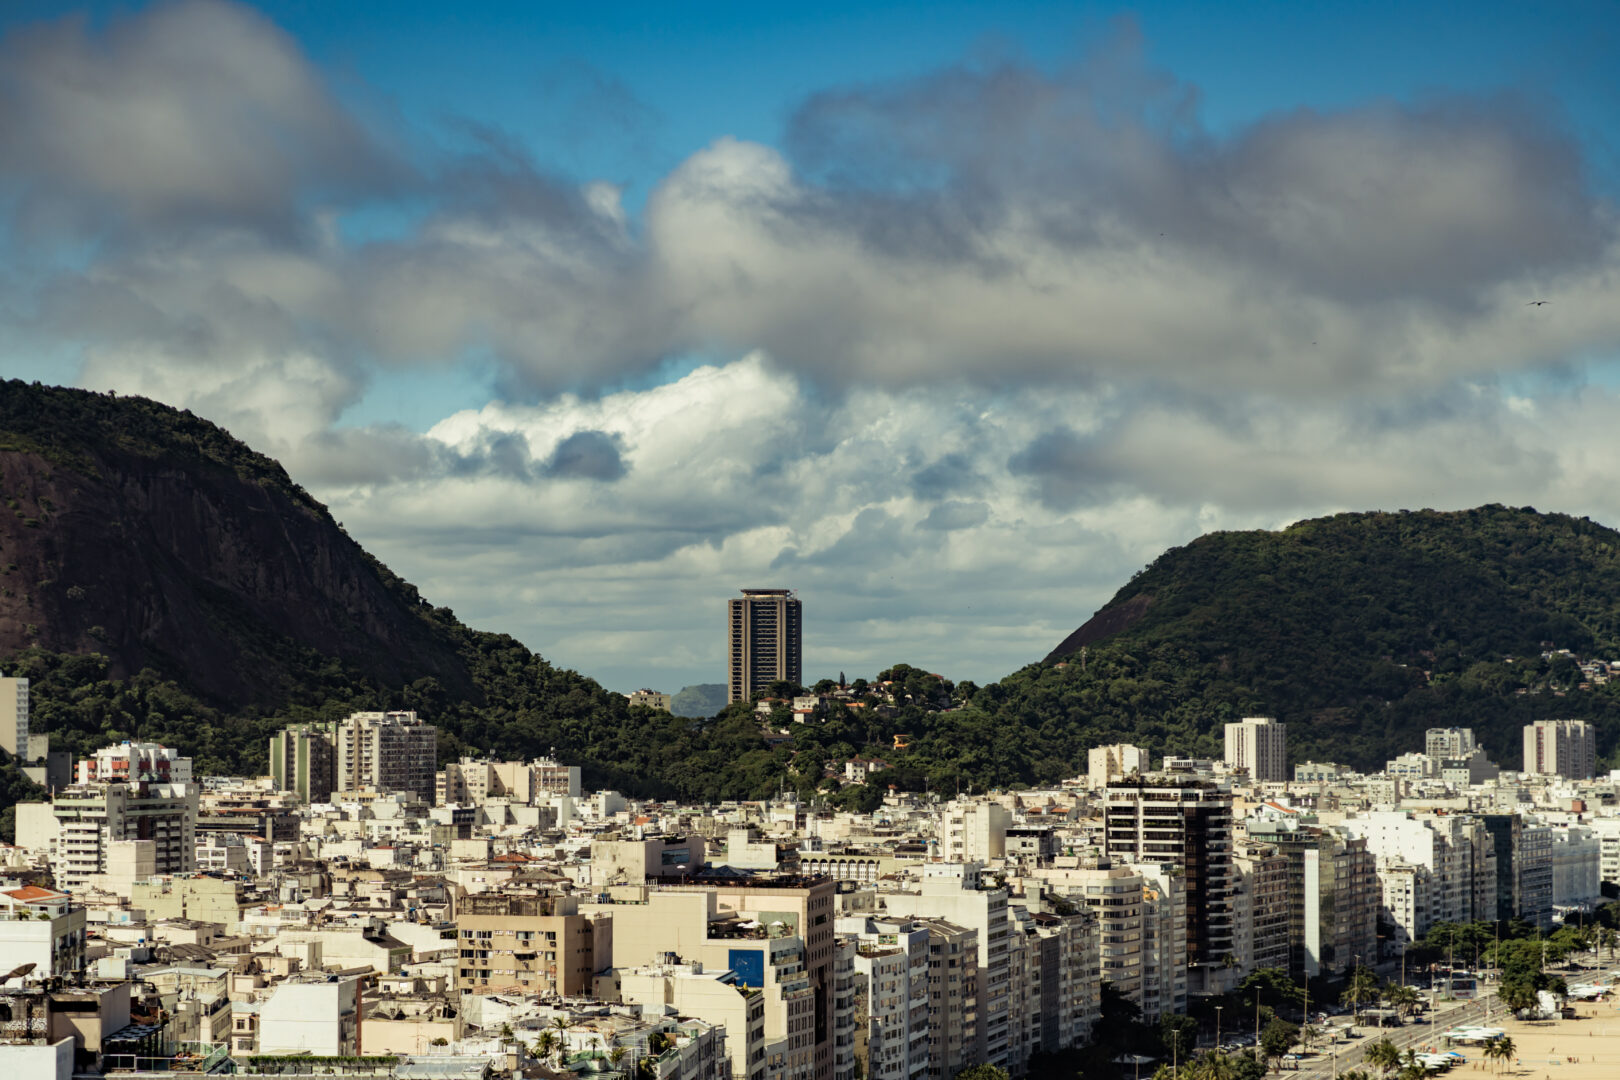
<point>700,700</point>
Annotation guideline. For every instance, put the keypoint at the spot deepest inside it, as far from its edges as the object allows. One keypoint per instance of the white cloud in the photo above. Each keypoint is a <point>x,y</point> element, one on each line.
<point>990,338</point>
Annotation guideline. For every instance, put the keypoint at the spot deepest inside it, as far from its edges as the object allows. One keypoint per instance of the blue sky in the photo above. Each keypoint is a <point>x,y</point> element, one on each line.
<point>949,315</point>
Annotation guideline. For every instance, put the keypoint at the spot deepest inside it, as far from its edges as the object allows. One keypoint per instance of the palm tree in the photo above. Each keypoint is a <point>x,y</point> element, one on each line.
<point>561,1045</point>
<point>1506,1049</point>
<point>1404,998</point>
<point>616,1055</point>
<point>1383,1056</point>
<point>1362,986</point>
<point>544,1045</point>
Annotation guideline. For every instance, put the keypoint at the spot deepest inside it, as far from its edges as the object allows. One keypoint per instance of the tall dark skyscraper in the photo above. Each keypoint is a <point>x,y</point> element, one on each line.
<point>765,642</point>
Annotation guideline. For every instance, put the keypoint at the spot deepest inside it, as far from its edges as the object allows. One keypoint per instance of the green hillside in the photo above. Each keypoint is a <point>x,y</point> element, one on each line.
<point>160,580</point>
<point>1360,629</point>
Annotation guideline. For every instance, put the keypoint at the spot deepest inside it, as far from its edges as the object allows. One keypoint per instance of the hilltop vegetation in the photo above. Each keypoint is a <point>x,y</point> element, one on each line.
<point>159,580</point>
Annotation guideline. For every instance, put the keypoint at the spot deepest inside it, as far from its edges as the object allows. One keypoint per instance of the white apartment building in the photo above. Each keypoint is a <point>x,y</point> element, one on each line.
<point>1444,847</point>
<point>846,986</point>
<point>1260,745</point>
<point>1114,897</point>
<point>650,699</point>
<point>1164,940</point>
<point>1440,857</point>
<point>1577,882</point>
<point>953,985</point>
<point>973,831</point>
<point>1607,832</point>
<point>313,1014</point>
<point>40,927</point>
<point>131,761</point>
<point>1070,978</point>
<point>1566,748</point>
<point>1404,900</point>
<point>953,892</point>
<point>384,752</point>
<point>78,826</point>
<point>891,1016</point>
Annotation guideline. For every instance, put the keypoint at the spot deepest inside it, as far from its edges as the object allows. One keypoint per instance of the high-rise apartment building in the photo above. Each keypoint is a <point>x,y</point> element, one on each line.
<point>1187,822</point>
<point>1262,906</point>
<point>955,892</point>
<point>386,751</point>
<point>1260,745</point>
<point>953,1002</point>
<point>1445,851</point>
<point>765,642</point>
<point>14,716</point>
<point>1566,748</point>
<point>1333,895</point>
<point>90,817</point>
<point>1448,742</point>
<point>370,751</point>
<point>891,992</point>
<point>1524,868</point>
<point>301,761</point>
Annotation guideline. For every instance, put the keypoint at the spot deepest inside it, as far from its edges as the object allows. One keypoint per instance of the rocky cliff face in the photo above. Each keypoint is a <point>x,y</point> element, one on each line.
<point>149,535</point>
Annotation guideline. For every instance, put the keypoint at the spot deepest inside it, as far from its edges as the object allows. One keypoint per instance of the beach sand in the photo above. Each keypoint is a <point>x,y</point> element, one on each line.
<point>1544,1047</point>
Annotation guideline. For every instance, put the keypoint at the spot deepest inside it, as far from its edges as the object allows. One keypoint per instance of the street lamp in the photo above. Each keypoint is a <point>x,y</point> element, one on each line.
<point>1217,1027</point>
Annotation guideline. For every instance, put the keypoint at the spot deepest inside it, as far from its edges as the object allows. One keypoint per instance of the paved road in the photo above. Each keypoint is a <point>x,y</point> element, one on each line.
<point>1348,1054</point>
<point>1332,1060</point>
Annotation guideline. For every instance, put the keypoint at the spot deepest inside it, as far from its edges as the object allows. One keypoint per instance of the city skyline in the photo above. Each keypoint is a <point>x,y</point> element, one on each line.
<point>954,319</point>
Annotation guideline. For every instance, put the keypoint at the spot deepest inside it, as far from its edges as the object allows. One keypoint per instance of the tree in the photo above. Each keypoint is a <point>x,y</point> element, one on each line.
<point>1518,993</point>
<point>1178,1035</point>
<point>1403,998</point>
<point>1383,1056</point>
<point>985,1071</point>
<point>1277,1039</point>
<point>1361,987</point>
<point>1506,1050</point>
<point>616,1055</point>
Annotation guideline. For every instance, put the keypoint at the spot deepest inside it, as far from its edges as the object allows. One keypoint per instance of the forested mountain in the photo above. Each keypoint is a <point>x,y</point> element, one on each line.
<point>1360,629</point>
<point>159,580</point>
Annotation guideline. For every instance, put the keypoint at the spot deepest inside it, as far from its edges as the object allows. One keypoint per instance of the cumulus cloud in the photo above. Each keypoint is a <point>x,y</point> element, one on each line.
<point>989,338</point>
<point>995,223</point>
<point>191,114</point>
<point>977,586</point>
